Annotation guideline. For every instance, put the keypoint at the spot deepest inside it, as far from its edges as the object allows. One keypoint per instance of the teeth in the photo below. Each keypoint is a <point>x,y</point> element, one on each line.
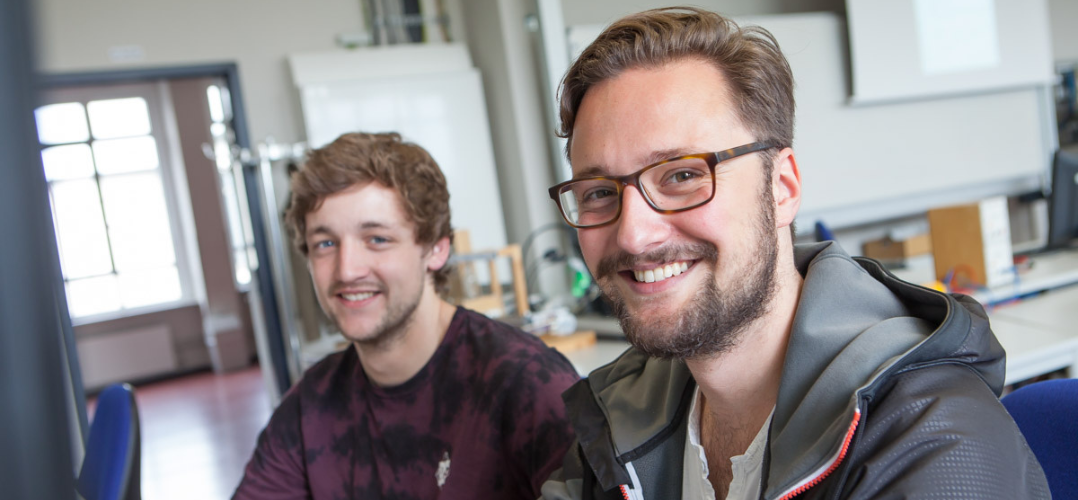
<point>662,272</point>
<point>357,296</point>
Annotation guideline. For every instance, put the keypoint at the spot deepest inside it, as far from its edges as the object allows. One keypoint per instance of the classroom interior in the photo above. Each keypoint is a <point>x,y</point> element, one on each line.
<point>167,131</point>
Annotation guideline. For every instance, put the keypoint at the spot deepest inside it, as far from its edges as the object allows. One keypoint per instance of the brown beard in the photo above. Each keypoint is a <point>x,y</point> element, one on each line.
<point>392,326</point>
<point>716,318</point>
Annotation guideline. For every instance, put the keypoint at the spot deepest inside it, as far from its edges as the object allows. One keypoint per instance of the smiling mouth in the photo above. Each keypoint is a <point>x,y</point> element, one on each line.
<point>356,296</point>
<point>661,273</point>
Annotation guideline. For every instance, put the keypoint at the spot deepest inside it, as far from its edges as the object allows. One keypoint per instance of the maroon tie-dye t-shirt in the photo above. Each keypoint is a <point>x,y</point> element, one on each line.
<point>483,419</point>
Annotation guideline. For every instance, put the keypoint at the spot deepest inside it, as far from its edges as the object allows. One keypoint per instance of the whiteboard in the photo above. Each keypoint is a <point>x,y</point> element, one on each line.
<point>903,49</point>
<point>862,164</point>
<point>432,97</point>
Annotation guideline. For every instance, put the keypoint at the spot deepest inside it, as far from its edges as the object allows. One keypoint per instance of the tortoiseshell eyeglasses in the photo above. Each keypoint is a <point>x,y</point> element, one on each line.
<point>669,186</point>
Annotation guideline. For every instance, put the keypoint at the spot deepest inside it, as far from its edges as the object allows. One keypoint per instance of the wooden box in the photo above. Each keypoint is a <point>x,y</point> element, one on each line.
<point>974,241</point>
<point>889,249</point>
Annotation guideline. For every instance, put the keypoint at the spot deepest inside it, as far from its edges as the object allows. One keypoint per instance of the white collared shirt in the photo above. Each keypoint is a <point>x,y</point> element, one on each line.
<point>746,468</point>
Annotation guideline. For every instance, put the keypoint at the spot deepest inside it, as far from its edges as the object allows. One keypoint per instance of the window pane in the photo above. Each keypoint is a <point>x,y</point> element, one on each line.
<point>138,221</point>
<point>92,296</point>
<point>61,123</point>
<point>118,156</point>
<point>119,117</point>
<point>135,200</point>
<point>232,211</point>
<point>149,286</point>
<point>243,270</point>
<point>68,162</point>
<point>80,229</point>
<point>135,248</point>
<point>222,154</point>
<point>217,111</point>
<point>252,258</point>
<point>226,103</point>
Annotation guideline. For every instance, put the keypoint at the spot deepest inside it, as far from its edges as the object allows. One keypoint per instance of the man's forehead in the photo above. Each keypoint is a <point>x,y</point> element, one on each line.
<point>361,206</point>
<point>646,158</point>
<point>643,116</point>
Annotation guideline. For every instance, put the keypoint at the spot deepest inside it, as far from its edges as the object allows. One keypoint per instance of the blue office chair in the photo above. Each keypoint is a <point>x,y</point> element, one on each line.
<point>110,469</point>
<point>1047,414</point>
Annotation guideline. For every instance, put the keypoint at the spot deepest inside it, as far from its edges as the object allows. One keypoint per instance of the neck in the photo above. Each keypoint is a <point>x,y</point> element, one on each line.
<point>401,359</point>
<point>742,384</point>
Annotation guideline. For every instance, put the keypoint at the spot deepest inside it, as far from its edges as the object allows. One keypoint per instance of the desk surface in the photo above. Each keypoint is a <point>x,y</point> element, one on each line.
<point>589,358</point>
<point>1048,271</point>
<point>1040,334</point>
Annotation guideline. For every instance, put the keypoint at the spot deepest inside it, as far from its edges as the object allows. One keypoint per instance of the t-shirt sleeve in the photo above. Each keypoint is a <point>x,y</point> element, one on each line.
<point>539,433</point>
<point>276,470</point>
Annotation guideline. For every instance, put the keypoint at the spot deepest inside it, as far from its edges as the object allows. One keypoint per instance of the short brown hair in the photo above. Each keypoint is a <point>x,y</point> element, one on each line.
<point>359,158</point>
<point>760,79</point>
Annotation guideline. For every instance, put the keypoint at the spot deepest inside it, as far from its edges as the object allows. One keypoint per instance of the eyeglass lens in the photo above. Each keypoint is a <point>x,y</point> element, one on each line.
<point>673,185</point>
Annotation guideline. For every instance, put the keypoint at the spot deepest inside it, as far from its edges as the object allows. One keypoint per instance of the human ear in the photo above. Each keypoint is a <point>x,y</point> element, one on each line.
<point>786,187</point>
<point>438,255</point>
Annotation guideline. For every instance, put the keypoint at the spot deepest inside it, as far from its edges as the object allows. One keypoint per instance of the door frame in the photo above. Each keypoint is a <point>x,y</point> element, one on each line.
<point>268,295</point>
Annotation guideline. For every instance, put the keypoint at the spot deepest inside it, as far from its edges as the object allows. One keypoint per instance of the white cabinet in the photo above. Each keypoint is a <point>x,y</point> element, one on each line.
<point>433,97</point>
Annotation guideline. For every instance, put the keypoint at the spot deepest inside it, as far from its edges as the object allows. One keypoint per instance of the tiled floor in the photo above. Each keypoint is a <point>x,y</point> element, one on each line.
<point>198,432</point>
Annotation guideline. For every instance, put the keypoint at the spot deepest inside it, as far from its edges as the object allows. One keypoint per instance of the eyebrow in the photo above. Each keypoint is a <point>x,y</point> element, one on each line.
<point>366,225</point>
<point>651,159</point>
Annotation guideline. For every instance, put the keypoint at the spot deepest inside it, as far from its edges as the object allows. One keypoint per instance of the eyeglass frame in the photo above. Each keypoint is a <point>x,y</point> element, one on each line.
<point>633,179</point>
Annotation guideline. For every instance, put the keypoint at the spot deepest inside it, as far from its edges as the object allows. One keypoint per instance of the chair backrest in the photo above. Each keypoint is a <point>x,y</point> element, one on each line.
<point>1047,414</point>
<point>110,469</point>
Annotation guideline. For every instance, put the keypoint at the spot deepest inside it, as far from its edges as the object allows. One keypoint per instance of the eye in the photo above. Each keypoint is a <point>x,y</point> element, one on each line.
<point>597,194</point>
<point>684,175</point>
<point>322,244</point>
<point>378,240</point>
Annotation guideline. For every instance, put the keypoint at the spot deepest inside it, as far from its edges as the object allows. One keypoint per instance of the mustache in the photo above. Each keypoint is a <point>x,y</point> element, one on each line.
<point>362,284</point>
<point>611,264</point>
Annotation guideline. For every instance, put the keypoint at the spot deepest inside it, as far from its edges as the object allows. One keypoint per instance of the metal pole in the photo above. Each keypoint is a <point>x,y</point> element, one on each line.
<point>279,259</point>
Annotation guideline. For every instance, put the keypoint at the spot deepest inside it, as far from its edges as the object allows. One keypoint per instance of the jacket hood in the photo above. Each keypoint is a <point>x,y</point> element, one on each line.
<point>855,325</point>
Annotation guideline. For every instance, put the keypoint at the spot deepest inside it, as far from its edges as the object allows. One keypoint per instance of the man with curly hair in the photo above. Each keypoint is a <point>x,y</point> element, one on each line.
<point>430,400</point>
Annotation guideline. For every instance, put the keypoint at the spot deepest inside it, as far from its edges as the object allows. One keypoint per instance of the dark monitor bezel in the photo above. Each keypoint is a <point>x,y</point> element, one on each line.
<point>1063,201</point>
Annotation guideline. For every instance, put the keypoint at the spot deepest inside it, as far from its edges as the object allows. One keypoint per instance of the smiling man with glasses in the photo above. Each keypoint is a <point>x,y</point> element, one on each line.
<point>759,369</point>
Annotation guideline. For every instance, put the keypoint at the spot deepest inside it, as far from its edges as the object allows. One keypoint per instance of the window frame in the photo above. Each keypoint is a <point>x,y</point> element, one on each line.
<point>156,100</point>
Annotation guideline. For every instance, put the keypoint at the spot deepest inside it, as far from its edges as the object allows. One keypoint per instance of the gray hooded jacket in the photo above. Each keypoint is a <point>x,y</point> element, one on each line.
<point>888,390</point>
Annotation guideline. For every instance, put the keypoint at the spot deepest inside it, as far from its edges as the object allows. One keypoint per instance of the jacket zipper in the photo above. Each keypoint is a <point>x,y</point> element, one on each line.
<point>631,491</point>
<point>813,481</point>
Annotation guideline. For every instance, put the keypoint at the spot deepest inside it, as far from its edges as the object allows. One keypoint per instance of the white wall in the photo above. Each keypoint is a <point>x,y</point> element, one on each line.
<point>1063,19</point>
<point>501,47</point>
<point>76,35</point>
<point>606,11</point>
<point>259,34</point>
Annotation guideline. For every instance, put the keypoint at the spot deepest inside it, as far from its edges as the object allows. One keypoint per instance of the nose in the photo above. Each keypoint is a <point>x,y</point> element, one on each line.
<point>352,264</point>
<point>640,228</point>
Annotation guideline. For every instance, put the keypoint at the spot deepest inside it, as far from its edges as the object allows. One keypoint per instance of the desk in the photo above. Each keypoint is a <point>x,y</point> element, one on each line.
<point>1049,270</point>
<point>589,358</point>
<point>1039,334</point>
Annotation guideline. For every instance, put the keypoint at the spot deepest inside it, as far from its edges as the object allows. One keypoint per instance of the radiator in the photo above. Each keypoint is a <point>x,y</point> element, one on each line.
<point>126,355</point>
